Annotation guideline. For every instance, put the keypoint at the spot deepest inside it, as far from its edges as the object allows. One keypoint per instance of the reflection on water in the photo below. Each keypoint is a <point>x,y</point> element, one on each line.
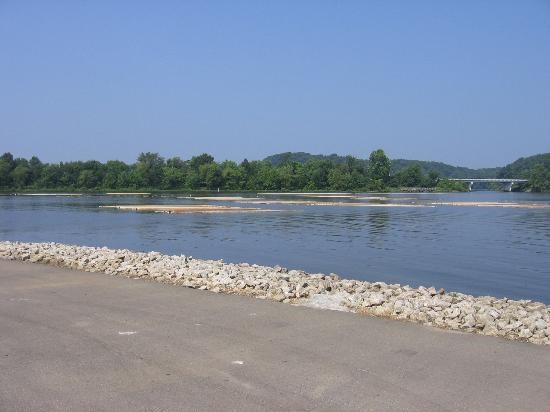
<point>478,250</point>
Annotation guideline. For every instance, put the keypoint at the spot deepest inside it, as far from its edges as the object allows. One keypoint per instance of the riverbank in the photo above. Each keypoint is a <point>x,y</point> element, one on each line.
<point>512,319</point>
<point>85,341</point>
<point>148,191</point>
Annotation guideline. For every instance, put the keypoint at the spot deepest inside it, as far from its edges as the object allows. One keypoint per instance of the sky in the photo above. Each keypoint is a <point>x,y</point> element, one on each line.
<point>463,82</point>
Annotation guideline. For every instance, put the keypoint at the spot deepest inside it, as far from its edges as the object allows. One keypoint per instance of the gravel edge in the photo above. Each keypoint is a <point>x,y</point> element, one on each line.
<point>522,320</point>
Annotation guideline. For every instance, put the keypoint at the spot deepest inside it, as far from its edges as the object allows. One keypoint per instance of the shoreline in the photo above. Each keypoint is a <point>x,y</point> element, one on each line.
<point>522,320</point>
<point>86,341</point>
<point>190,192</point>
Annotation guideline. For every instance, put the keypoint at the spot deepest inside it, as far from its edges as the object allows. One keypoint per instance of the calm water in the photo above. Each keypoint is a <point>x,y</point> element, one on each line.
<point>477,250</point>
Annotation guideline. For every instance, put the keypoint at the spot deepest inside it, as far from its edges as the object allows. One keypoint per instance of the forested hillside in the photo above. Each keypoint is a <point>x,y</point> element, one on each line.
<point>283,172</point>
<point>443,169</point>
<point>524,166</point>
<point>535,168</point>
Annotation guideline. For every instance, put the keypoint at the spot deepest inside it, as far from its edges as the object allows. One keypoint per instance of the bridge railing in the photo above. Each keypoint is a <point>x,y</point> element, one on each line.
<point>508,183</point>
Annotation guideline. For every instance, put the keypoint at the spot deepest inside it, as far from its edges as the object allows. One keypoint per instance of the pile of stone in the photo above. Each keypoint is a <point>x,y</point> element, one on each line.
<point>513,319</point>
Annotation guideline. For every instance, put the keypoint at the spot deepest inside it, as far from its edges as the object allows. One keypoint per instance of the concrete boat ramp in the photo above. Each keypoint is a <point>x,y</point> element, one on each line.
<point>87,341</point>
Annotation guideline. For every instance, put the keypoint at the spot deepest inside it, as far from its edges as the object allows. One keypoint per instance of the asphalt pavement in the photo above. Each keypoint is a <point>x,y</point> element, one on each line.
<point>76,341</point>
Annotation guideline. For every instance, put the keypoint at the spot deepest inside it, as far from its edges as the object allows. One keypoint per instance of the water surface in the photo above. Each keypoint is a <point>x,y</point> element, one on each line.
<point>476,250</point>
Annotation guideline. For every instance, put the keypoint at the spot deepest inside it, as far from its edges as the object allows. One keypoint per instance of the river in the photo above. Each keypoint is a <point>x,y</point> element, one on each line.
<point>477,250</point>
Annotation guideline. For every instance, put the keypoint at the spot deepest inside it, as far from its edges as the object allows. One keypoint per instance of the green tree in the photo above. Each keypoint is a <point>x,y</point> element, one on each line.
<point>172,178</point>
<point>378,170</point>
<point>411,176</point>
<point>87,179</point>
<point>317,172</point>
<point>266,177</point>
<point>432,179</point>
<point>197,161</point>
<point>291,176</point>
<point>133,179</point>
<point>339,179</point>
<point>251,170</point>
<point>177,163</point>
<point>7,164</point>
<point>116,174</point>
<point>21,174</point>
<point>149,167</point>
<point>192,179</point>
<point>36,167</point>
<point>446,185</point>
<point>358,180</point>
<point>210,175</point>
<point>50,177</point>
<point>70,171</point>
<point>174,173</point>
<point>539,179</point>
<point>231,176</point>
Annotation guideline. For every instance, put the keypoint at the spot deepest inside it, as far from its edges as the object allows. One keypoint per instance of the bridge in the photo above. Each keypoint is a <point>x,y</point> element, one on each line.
<point>507,183</point>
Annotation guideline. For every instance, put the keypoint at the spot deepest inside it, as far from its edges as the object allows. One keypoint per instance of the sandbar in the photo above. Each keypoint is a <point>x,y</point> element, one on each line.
<point>317,203</point>
<point>219,198</point>
<point>185,208</point>
<point>48,194</point>
<point>309,194</point>
<point>127,193</point>
<point>495,204</point>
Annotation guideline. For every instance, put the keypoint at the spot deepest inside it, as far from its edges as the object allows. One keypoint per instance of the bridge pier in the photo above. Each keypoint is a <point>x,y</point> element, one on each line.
<point>470,184</point>
<point>508,186</point>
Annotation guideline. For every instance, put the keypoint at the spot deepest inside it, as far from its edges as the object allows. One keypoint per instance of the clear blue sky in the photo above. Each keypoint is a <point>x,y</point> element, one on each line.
<point>465,82</point>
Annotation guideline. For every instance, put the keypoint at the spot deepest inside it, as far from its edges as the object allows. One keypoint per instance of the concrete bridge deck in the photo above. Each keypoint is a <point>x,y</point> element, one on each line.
<point>87,341</point>
<point>508,183</point>
<point>492,180</point>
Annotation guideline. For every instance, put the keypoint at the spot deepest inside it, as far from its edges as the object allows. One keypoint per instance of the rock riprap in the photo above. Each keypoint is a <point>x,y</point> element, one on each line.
<point>513,319</point>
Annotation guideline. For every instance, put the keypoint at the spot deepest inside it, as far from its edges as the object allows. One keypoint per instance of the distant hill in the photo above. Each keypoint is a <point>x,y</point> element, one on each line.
<point>522,167</point>
<point>444,170</point>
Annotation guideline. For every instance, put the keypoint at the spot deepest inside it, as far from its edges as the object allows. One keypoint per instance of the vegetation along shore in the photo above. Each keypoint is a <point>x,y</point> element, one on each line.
<point>512,319</point>
<point>282,172</point>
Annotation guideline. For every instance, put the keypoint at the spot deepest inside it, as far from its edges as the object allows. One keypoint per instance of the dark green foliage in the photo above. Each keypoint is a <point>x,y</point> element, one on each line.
<point>445,170</point>
<point>303,157</point>
<point>197,161</point>
<point>285,172</point>
<point>317,172</point>
<point>378,170</point>
<point>292,176</point>
<point>432,179</point>
<point>411,176</point>
<point>539,178</point>
<point>535,168</point>
<point>445,185</point>
<point>7,164</point>
<point>21,173</point>
<point>523,167</point>
<point>210,175</point>
<point>116,174</point>
<point>149,167</point>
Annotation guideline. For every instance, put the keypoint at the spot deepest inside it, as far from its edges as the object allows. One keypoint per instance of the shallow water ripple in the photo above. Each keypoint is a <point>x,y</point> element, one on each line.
<point>477,250</point>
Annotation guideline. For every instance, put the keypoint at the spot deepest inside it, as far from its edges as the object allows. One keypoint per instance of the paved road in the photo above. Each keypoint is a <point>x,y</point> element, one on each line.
<point>82,341</point>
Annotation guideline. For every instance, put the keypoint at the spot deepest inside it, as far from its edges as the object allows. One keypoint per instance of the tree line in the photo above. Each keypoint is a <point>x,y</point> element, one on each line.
<point>153,172</point>
<point>535,168</point>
